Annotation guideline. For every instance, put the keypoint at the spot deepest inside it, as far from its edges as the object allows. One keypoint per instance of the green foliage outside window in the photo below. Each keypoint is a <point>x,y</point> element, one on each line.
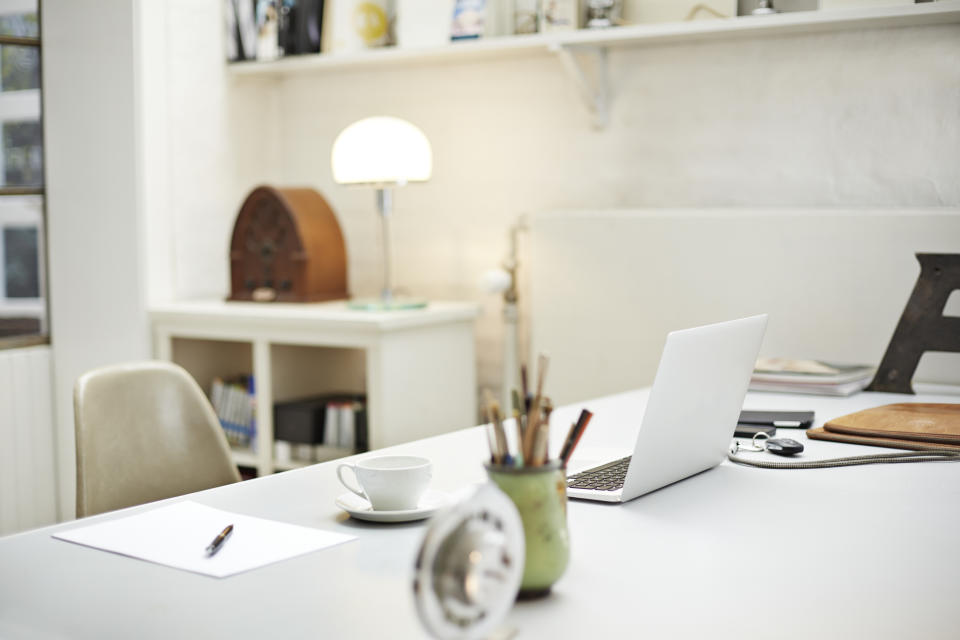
<point>23,24</point>
<point>21,262</point>
<point>22,154</point>
<point>19,68</point>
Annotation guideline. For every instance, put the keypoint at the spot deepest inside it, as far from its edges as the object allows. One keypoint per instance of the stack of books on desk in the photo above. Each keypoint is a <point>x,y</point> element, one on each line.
<point>809,376</point>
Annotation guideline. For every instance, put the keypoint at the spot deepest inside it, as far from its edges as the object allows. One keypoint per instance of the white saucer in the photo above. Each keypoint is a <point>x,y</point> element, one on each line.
<point>430,503</point>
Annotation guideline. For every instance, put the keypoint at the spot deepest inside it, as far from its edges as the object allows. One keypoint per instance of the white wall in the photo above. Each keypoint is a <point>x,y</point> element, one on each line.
<point>834,283</point>
<point>205,143</point>
<point>835,119</point>
<point>28,492</point>
<point>93,195</point>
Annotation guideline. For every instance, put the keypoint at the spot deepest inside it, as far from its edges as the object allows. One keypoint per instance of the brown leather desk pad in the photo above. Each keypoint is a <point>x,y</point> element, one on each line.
<point>905,425</point>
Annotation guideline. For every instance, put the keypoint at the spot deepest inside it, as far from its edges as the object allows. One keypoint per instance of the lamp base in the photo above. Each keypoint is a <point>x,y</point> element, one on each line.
<point>379,304</point>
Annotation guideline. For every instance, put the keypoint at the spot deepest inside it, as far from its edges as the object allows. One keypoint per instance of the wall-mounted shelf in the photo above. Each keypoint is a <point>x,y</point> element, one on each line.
<point>628,36</point>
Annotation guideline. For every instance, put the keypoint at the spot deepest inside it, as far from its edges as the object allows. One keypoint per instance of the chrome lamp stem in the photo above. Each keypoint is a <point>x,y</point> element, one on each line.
<point>385,207</point>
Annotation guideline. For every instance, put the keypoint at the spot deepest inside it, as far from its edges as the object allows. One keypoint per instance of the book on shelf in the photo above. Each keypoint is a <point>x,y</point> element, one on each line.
<point>809,376</point>
<point>233,402</point>
<point>330,426</point>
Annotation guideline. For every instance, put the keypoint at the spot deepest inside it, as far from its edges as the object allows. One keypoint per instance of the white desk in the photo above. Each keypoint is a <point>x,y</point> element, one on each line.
<point>735,552</point>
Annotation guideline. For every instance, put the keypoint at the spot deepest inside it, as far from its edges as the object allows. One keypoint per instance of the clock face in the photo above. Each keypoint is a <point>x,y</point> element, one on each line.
<point>470,565</point>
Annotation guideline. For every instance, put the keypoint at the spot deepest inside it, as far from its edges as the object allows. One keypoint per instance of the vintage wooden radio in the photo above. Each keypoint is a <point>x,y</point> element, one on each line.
<point>287,247</point>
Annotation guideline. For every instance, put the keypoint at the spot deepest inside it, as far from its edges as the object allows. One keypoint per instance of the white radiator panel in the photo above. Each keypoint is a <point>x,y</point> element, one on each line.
<point>607,285</point>
<point>27,469</point>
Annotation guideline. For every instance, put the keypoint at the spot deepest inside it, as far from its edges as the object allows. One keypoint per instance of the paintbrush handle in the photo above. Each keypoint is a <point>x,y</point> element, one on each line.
<point>581,427</point>
<point>518,423</point>
<point>542,363</point>
<point>501,436</point>
<point>530,434</point>
<point>491,442</point>
<point>568,441</point>
<point>572,433</point>
<point>541,444</point>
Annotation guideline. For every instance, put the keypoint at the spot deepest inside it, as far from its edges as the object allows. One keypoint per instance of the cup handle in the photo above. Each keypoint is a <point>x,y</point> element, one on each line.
<point>340,469</point>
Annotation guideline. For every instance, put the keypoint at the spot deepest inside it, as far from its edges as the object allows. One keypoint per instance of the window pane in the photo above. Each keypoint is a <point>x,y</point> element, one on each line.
<point>19,68</point>
<point>21,262</point>
<point>22,154</point>
<point>19,19</point>
<point>23,310</point>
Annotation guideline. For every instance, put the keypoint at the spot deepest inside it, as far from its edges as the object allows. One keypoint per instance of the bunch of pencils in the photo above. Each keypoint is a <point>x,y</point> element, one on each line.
<point>531,416</point>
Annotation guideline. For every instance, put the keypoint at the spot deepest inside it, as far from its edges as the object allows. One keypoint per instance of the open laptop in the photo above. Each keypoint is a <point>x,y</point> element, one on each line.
<point>691,412</point>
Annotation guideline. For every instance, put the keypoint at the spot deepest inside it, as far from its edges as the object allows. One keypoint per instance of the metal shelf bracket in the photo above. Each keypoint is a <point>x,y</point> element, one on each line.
<point>594,87</point>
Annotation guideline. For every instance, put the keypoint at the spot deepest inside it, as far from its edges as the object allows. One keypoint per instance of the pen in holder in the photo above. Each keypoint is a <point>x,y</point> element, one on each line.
<point>540,495</point>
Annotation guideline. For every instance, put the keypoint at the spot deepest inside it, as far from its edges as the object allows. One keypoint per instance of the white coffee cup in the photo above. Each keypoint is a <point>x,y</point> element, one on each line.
<point>390,483</point>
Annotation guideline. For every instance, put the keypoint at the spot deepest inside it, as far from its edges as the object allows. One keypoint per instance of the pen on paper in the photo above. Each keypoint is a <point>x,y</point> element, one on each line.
<point>217,543</point>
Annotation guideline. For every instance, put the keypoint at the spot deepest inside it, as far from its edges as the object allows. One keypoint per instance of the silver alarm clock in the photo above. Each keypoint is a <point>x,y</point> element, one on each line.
<point>469,567</point>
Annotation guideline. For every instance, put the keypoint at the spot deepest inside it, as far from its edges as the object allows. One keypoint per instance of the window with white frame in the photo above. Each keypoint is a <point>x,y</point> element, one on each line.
<point>23,308</point>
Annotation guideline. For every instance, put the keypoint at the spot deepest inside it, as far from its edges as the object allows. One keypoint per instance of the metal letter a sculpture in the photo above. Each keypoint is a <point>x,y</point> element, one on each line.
<point>922,326</point>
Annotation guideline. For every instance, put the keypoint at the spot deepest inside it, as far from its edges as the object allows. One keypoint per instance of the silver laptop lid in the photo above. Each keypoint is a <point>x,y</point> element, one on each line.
<point>694,403</point>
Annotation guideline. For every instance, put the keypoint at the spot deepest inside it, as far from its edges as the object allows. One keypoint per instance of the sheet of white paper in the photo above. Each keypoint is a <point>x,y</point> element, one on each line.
<point>177,535</point>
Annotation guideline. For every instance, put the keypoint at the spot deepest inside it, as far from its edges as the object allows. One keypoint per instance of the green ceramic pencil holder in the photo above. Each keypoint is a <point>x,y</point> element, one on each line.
<point>540,494</point>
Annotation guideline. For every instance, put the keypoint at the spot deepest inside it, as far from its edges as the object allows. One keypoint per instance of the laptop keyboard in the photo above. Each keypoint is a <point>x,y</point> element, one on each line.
<point>608,477</point>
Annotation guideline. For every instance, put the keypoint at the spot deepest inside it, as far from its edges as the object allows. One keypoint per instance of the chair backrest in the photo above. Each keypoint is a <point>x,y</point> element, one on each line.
<point>145,431</point>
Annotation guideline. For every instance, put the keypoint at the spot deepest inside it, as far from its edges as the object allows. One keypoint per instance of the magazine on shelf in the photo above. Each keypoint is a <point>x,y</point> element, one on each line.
<point>233,402</point>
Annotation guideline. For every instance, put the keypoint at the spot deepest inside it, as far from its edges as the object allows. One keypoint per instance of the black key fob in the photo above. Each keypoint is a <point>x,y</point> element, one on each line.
<point>784,446</point>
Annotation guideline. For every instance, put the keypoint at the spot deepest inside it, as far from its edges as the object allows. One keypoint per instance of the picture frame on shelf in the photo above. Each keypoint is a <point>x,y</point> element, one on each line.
<point>468,19</point>
<point>357,25</point>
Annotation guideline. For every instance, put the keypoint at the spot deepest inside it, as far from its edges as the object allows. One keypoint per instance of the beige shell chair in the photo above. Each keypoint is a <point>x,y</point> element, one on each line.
<point>145,431</point>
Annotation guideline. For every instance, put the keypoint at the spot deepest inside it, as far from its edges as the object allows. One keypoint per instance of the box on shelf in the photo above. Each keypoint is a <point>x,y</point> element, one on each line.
<point>334,420</point>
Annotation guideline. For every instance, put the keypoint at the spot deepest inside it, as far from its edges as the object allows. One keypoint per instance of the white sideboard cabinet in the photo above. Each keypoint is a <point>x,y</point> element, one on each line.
<point>416,367</point>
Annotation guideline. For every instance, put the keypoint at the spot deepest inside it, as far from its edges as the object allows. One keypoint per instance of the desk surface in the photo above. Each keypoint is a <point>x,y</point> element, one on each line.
<point>861,552</point>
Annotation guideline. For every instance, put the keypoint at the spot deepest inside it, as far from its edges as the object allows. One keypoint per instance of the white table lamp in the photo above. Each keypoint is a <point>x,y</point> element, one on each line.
<point>382,152</point>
